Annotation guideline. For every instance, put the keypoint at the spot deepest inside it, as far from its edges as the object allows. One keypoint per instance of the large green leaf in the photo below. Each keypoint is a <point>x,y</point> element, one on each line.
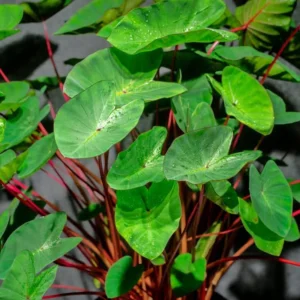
<point>15,93</point>
<point>187,276</point>
<point>292,51</point>
<point>122,277</point>
<point>41,237</point>
<point>205,244</point>
<point>42,10</point>
<point>21,283</point>
<point>273,17</point>
<point>90,123</point>
<point>200,157</point>
<point>2,128</point>
<point>141,163</point>
<point>282,117</point>
<point>252,61</point>
<point>4,219</point>
<point>38,155</point>
<point>265,239</point>
<point>10,17</point>
<point>147,218</point>
<point>272,198</point>
<point>293,234</point>
<point>132,74</point>
<point>21,123</point>
<point>247,100</point>
<point>223,194</point>
<point>88,15</point>
<point>164,25</point>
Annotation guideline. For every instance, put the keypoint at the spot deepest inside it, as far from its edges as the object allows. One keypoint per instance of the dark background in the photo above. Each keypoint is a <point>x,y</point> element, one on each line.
<point>24,56</point>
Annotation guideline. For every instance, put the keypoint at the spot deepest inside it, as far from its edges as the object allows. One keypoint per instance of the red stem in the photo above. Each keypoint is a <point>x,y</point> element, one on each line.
<point>68,287</point>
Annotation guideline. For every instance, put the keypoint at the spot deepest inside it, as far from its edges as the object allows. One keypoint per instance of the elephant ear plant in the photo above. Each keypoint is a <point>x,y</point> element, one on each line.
<point>162,211</point>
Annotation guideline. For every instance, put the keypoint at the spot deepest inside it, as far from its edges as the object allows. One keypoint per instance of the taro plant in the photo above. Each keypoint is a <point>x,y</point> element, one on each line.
<point>161,221</point>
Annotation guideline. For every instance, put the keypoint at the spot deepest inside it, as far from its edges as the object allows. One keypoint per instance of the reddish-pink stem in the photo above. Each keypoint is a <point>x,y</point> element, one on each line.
<point>68,287</point>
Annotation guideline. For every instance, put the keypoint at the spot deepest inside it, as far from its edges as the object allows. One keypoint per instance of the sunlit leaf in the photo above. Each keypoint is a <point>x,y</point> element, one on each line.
<point>147,218</point>
<point>90,123</point>
<point>141,163</point>
<point>145,29</point>
<point>202,156</point>
<point>41,237</point>
<point>265,239</point>
<point>122,277</point>
<point>4,219</point>
<point>38,155</point>
<point>10,17</point>
<point>187,276</point>
<point>272,198</point>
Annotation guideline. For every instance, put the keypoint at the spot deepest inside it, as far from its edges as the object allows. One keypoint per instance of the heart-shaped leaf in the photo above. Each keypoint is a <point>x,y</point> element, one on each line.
<point>247,100</point>
<point>293,234</point>
<point>223,194</point>
<point>21,283</point>
<point>147,218</point>
<point>122,277</point>
<point>85,17</point>
<point>15,93</point>
<point>90,123</point>
<point>133,75</point>
<point>145,29</point>
<point>141,163</point>
<point>10,17</point>
<point>282,117</point>
<point>265,239</point>
<point>4,219</point>
<point>252,61</point>
<point>41,237</point>
<point>38,155</point>
<point>21,123</point>
<point>200,157</point>
<point>272,198</point>
<point>271,19</point>
<point>187,276</point>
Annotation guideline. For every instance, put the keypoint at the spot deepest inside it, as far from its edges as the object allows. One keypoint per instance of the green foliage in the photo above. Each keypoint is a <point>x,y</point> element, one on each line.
<point>10,17</point>
<point>186,275</point>
<point>122,277</point>
<point>147,218</point>
<point>22,283</point>
<point>4,219</point>
<point>90,212</point>
<point>140,163</point>
<point>44,242</point>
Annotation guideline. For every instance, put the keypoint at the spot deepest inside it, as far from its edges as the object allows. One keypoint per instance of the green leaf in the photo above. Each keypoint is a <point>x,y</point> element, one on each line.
<point>132,74</point>
<point>15,93</point>
<point>200,157</point>
<point>141,163</point>
<point>224,195</point>
<point>146,219</point>
<point>41,237</point>
<point>252,61</point>
<point>38,155</point>
<point>272,18</point>
<point>21,281</point>
<point>9,169</point>
<point>42,10</point>
<point>7,157</point>
<point>296,191</point>
<point>21,123</point>
<point>291,52</point>
<point>122,277</point>
<point>187,276</point>
<point>282,117</point>
<point>247,100</point>
<point>265,239</point>
<point>90,123</point>
<point>159,261</point>
<point>148,28</point>
<point>4,219</point>
<point>272,198</point>
<point>90,212</point>
<point>40,82</point>
<point>205,244</point>
<point>293,234</point>
<point>10,17</point>
<point>88,15</point>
